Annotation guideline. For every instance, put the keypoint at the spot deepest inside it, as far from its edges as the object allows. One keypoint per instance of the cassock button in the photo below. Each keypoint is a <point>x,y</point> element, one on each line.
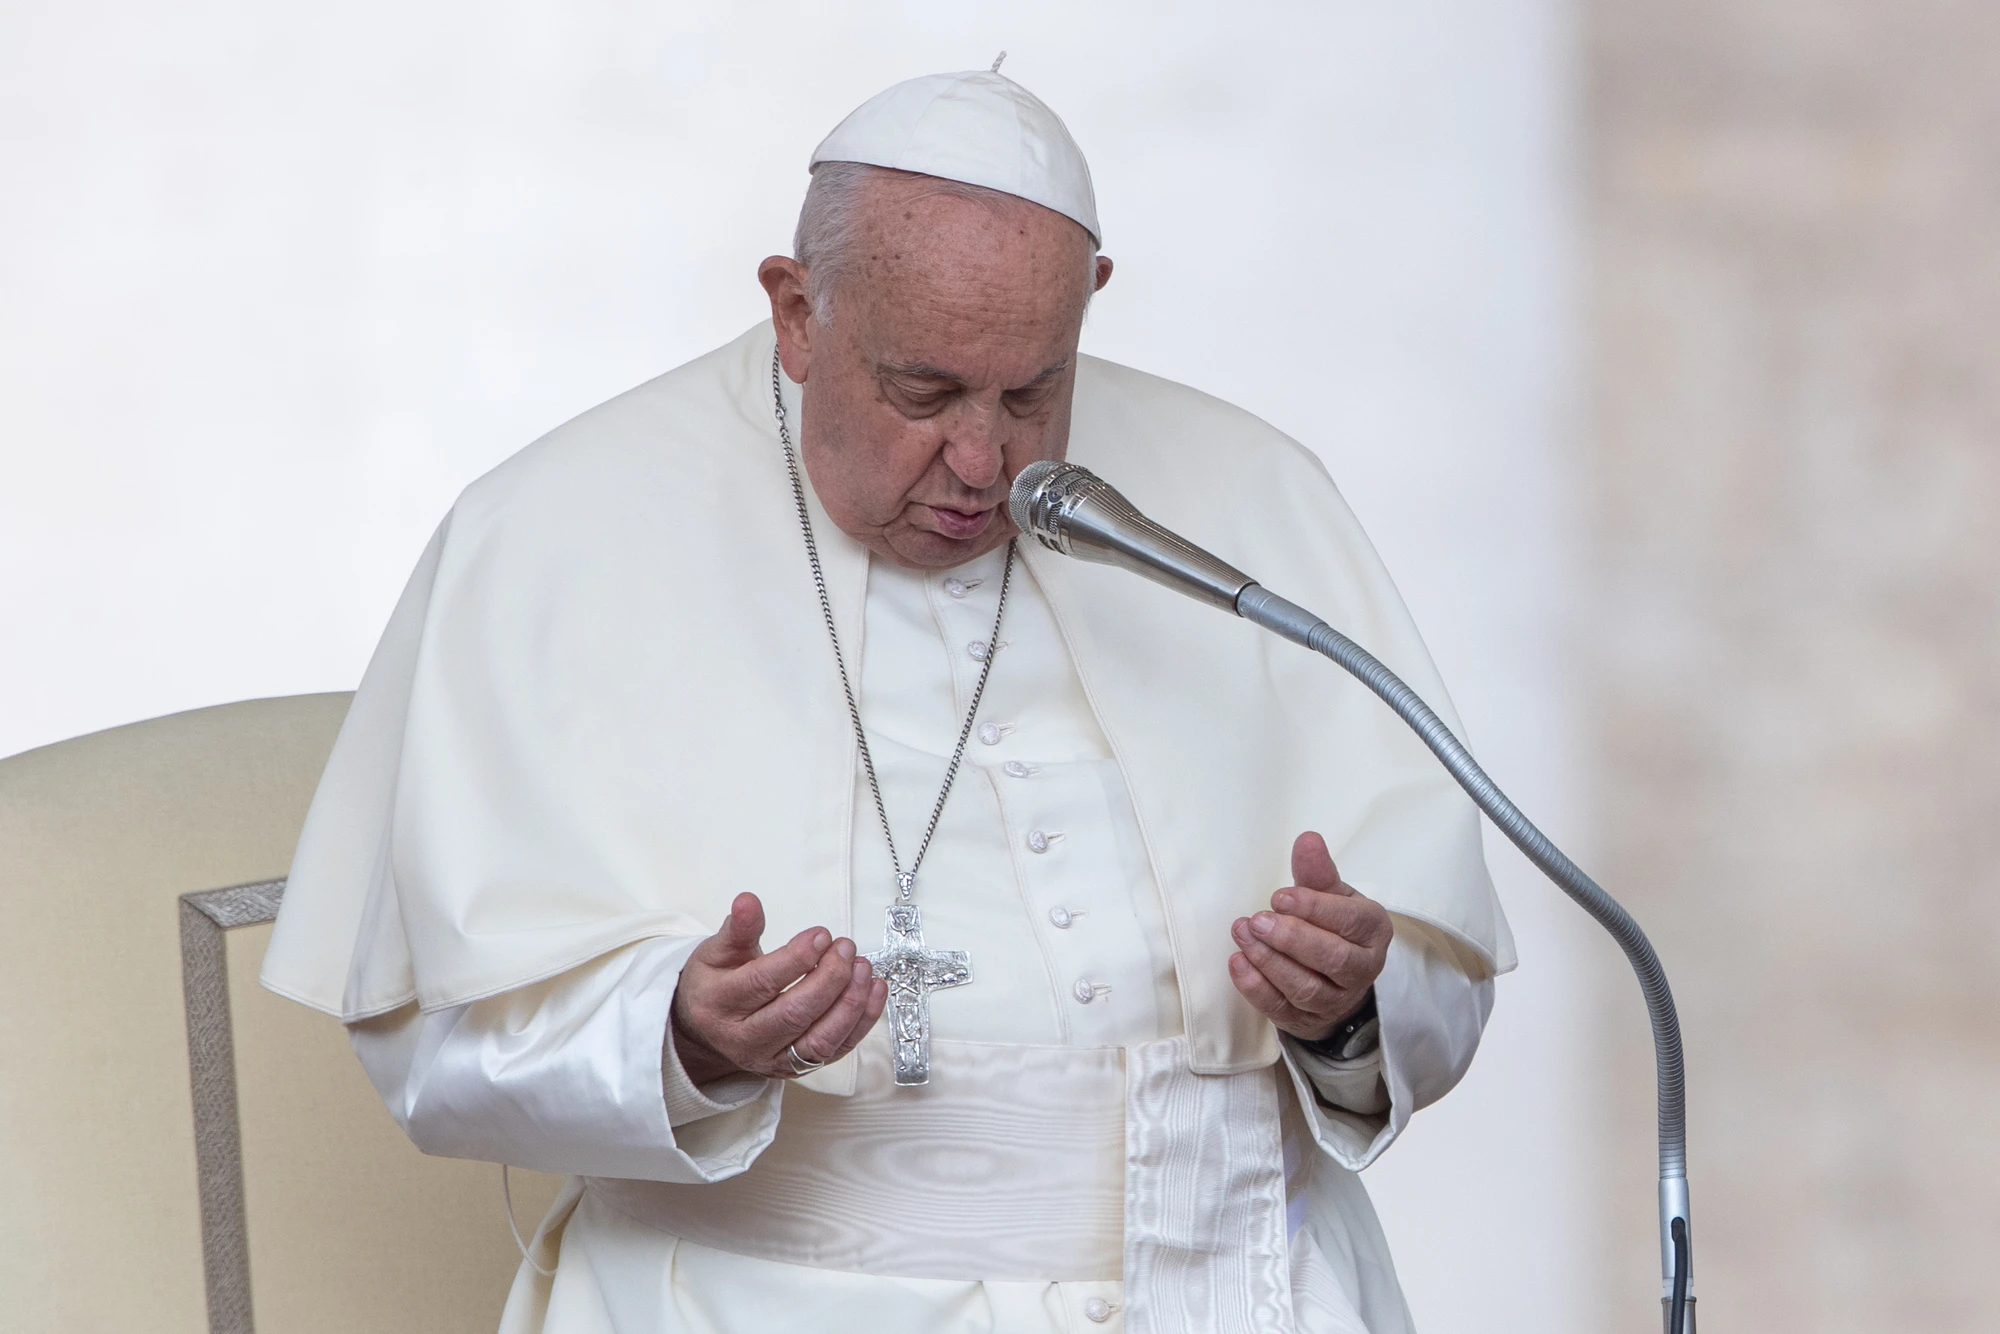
<point>1084,991</point>
<point>1038,841</point>
<point>1016,769</point>
<point>978,648</point>
<point>1097,1310</point>
<point>958,588</point>
<point>1061,916</point>
<point>989,734</point>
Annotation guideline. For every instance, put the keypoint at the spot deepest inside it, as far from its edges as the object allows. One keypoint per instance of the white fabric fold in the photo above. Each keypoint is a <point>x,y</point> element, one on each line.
<point>1205,1200</point>
<point>547,1075</point>
<point>1354,1085</point>
<point>1008,1165</point>
<point>566,1076</point>
<point>1226,1228</point>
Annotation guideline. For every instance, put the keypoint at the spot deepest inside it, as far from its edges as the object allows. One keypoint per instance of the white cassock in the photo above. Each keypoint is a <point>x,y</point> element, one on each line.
<point>489,891</point>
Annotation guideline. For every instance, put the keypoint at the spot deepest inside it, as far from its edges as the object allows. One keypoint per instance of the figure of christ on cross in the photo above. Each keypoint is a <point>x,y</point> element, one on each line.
<point>913,972</point>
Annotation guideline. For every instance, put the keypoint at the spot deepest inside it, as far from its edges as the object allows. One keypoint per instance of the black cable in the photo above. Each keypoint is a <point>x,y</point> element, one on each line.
<point>1677,1310</point>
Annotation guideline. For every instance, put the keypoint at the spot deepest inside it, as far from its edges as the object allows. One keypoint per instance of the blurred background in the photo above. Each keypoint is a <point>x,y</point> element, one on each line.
<point>1656,342</point>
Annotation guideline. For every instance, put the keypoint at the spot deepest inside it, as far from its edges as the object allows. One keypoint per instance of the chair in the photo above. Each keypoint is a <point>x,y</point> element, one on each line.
<point>139,871</point>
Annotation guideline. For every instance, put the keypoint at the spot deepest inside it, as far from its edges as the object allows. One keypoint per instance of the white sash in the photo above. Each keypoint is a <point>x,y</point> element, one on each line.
<point>1023,1163</point>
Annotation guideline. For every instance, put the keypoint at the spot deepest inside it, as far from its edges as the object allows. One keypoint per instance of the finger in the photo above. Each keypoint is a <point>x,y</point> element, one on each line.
<point>751,986</point>
<point>790,1014</point>
<point>1354,917</point>
<point>828,1036</point>
<point>1312,865</point>
<point>1339,959</point>
<point>875,999</point>
<point>735,943</point>
<point>1306,988</point>
<point>1266,999</point>
<point>871,1012</point>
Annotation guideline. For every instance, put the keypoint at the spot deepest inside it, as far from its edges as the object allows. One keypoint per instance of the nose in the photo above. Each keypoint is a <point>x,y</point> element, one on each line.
<point>975,446</point>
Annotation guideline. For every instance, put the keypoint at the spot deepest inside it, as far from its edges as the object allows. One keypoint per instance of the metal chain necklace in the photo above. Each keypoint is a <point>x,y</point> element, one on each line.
<point>912,970</point>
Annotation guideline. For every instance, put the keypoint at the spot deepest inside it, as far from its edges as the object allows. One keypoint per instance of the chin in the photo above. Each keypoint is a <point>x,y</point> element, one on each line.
<point>927,550</point>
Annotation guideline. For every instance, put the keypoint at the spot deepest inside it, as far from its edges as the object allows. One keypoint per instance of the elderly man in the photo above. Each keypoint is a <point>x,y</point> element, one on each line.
<point>751,654</point>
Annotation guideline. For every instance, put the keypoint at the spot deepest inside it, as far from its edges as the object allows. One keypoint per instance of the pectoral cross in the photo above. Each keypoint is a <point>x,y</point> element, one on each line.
<point>913,972</point>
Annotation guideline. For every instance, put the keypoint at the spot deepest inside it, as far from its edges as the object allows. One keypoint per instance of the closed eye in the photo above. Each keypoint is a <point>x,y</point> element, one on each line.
<point>1028,401</point>
<point>919,397</point>
<point>919,391</point>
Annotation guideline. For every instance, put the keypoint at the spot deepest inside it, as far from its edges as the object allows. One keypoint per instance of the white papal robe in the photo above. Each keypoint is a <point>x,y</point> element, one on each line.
<point>1092,1147</point>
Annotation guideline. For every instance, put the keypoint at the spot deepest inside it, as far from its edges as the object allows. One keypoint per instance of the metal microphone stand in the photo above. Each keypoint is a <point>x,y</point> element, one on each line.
<point>1260,606</point>
<point>1071,510</point>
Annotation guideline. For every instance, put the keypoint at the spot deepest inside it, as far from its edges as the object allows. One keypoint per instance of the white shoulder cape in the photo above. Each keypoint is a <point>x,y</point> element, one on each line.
<point>605,705</point>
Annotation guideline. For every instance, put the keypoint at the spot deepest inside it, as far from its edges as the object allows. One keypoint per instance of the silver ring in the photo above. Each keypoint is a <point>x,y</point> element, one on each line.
<point>800,1065</point>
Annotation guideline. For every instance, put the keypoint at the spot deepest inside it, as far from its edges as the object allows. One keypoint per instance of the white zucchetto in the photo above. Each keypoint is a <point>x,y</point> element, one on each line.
<point>977,126</point>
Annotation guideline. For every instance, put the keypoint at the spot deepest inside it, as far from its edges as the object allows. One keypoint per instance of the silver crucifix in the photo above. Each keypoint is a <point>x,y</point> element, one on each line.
<point>913,973</point>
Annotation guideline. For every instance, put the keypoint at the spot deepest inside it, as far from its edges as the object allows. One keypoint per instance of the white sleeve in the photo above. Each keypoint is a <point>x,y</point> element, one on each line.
<point>576,1074</point>
<point>1433,999</point>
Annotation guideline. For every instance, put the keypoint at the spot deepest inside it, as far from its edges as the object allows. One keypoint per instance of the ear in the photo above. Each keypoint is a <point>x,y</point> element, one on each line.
<point>1103,272</point>
<point>784,281</point>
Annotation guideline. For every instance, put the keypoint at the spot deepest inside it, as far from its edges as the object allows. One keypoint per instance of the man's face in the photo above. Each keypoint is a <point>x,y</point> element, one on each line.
<point>948,366</point>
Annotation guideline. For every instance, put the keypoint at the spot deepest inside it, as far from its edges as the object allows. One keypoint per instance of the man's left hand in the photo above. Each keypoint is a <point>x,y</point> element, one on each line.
<point>1308,963</point>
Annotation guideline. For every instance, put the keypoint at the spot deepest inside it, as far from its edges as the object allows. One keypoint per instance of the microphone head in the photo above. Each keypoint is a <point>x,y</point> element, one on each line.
<point>1071,510</point>
<point>1034,502</point>
<point>1020,499</point>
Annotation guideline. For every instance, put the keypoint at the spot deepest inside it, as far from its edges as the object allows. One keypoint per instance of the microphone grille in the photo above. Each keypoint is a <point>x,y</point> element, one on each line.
<point>1029,480</point>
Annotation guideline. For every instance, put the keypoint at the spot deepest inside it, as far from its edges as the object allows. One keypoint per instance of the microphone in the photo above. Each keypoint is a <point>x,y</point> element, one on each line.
<point>1071,510</point>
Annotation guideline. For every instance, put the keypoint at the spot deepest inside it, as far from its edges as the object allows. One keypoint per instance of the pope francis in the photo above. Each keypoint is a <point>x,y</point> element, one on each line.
<point>748,665</point>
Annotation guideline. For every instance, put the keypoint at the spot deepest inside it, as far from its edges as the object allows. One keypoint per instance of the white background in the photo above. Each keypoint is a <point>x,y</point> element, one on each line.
<point>277,281</point>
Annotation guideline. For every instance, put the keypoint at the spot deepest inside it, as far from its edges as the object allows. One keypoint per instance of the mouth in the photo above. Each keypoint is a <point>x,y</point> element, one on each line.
<point>963,525</point>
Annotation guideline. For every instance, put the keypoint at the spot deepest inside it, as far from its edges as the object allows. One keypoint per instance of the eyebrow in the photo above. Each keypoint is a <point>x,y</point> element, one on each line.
<point>924,370</point>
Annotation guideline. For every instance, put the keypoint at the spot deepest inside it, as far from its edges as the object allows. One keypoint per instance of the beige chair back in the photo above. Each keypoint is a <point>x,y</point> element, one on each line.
<point>305,1205</point>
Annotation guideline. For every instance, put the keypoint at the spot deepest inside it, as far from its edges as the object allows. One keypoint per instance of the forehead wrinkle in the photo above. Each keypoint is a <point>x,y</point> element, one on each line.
<point>925,370</point>
<point>921,369</point>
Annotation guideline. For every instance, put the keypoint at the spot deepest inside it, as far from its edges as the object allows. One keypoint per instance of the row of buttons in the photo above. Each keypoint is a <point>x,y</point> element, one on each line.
<point>1039,841</point>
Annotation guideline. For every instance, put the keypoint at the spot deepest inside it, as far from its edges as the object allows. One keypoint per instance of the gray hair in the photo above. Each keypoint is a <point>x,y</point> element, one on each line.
<point>831,216</point>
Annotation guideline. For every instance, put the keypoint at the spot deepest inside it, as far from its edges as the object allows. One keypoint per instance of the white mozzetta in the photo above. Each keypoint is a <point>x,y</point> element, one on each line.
<point>557,1075</point>
<point>601,710</point>
<point>588,728</point>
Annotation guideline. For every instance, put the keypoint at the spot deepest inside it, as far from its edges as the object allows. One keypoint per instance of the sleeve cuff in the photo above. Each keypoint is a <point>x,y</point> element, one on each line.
<point>575,1074</point>
<point>1432,1011</point>
<point>1353,1138</point>
<point>1354,1085</point>
<point>688,1102</point>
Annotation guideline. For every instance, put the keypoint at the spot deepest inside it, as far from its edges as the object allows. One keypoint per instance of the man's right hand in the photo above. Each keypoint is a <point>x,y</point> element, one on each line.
<point>737,1008</point>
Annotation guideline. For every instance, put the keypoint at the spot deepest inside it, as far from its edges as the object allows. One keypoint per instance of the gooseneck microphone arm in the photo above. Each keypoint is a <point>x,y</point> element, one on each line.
<point>1072,511</point>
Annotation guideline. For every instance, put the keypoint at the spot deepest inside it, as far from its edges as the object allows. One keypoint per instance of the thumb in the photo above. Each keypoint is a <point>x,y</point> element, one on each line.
<point>736,942</point>
<point>1312,865</point>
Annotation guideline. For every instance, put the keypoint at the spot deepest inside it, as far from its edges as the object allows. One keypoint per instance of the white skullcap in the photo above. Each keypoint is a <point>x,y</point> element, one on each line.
<point>979,127</point>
